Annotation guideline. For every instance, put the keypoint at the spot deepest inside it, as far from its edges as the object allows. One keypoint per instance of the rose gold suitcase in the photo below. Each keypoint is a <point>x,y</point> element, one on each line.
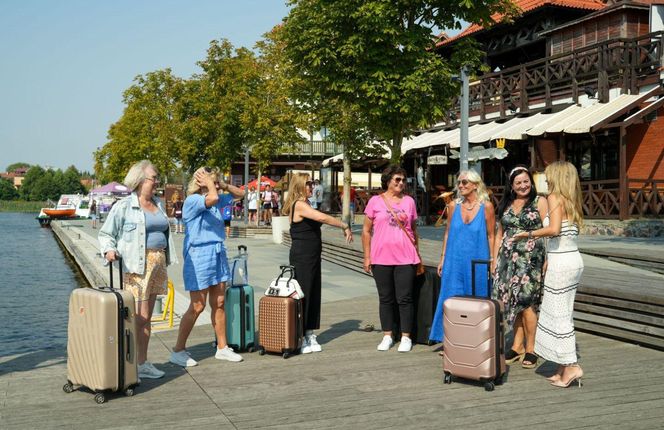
<point>473,342</point>
<point>101,340</point>
<point>280,325</point>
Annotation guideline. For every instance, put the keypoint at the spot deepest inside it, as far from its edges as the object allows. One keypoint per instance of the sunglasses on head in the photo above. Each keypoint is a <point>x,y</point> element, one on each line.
<point>207,169</point>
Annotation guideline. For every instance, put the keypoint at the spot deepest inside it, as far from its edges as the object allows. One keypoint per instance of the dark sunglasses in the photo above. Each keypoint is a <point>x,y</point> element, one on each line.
<point>465,182</point>
<point>207,169</point>
<point>399,179</point>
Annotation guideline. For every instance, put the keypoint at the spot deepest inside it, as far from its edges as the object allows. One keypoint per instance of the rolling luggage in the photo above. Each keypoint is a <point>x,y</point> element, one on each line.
<point>101,340</point>
<point>240,324</point>
<point>474,337</point>
<point>425,297</point>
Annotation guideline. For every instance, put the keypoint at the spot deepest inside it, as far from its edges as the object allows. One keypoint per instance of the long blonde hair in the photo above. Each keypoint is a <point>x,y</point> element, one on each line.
<point>563,181</point>
<point>297,191</point>
<point>475,178</point>
<point>194,188</point>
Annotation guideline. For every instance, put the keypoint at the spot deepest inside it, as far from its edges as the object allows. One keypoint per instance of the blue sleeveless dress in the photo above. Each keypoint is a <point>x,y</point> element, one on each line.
<point>466,242</point>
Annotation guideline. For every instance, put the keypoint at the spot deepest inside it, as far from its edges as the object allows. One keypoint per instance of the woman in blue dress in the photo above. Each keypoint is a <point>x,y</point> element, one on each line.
<point>205,269</point>
<point>469,235</point>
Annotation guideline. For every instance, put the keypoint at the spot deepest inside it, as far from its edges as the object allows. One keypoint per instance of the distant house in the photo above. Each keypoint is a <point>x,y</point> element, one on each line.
<point>16,177</point>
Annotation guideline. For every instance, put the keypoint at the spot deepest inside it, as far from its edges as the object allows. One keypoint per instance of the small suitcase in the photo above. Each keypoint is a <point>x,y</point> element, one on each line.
<point>280,325</point>
<point>240,324</point>
<point>101,340</point>
<point>474,338</point>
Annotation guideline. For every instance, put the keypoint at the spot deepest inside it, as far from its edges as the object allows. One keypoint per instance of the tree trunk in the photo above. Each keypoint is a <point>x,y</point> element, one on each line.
<point>345,200</point>
<point>397,138</point>
<point>259,208</point>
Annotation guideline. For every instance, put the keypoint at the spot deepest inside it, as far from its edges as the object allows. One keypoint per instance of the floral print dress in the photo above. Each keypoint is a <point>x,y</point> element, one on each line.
<point>518,277</point>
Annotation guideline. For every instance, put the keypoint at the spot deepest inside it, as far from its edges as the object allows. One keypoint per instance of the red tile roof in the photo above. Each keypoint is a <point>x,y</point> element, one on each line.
<point>527,6</point>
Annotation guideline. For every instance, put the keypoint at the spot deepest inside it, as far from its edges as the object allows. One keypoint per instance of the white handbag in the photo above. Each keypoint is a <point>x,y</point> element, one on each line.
<point>285,285</point>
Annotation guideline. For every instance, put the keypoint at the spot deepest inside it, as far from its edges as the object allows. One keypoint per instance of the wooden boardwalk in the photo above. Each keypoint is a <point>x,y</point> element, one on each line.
<point>348,385</point>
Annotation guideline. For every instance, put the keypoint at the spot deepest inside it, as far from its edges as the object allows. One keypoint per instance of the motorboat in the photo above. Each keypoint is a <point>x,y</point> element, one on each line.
<point>68,206</point>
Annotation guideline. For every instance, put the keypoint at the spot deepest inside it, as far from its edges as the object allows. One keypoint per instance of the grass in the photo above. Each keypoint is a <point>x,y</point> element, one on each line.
<point>21,206</point>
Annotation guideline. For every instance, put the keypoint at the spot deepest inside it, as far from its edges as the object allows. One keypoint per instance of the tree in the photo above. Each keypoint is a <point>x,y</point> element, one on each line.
<point>29,181</point>
<point>71,182</point>
<point>378,55</point>
<point>15,166</point>
<point>7,190</point>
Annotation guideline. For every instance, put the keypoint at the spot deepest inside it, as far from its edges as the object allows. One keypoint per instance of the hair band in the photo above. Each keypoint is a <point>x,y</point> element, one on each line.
<point>516,169</point>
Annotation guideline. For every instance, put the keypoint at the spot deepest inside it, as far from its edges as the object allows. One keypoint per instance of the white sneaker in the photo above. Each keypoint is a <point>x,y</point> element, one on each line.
<point>386,343</point>
<point>313,344</point>
<point>182,358</point>
<point>148,371</point>
<point>306,346</point>
<point>405,345</point>
<point>227,353</point>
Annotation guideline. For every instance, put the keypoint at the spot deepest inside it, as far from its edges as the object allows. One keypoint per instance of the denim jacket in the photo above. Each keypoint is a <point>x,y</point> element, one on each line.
<point>124,233</point>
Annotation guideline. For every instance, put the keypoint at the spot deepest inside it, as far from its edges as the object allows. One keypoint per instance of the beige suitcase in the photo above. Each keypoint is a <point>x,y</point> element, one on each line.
<point>280,325</point>
<point>101,341</point>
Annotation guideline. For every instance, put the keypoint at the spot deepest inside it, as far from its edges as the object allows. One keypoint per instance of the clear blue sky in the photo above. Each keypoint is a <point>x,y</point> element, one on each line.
<point>65,63</point>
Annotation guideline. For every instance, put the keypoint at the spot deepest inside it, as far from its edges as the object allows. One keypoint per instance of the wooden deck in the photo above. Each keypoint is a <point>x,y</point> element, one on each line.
<point>348,385</point>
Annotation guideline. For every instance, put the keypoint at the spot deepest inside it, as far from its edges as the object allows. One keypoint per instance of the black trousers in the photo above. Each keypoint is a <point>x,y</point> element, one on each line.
<point>305,256</point>
<point>395,294</point>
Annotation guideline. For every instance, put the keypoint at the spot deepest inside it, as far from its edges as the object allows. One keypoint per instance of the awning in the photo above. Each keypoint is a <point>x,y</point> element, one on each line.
<point>597,113</point>
<point>554,120</point>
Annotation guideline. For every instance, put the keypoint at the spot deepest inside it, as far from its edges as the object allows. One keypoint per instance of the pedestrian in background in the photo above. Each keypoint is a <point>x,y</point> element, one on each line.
<point>266,198</point>
<point>517,265</point>
<point>469,235</point>
<point>177,212</point>
<point>318,194</point>
<point>252,201</point>
<point>205,271</point>
<point>93,213</point>
<point>305,252</point>
<point>555,339</point>
<point>137,230</point>
<point>389,238</point>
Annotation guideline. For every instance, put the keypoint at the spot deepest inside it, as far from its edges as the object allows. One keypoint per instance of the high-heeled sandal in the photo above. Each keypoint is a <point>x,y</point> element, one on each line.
<point>512,356</point>
<point>570,381</point>
<point>529,361</point>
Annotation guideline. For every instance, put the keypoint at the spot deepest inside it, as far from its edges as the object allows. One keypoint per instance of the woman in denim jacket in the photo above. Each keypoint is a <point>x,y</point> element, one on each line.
<point>137,229</point>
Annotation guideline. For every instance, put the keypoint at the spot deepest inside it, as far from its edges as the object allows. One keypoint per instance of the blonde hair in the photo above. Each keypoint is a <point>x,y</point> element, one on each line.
<point>563,181</point>
<point>194,188</point>
<point>175,196</point>
<point>297,191</point>
<point>475,178</point>
<point>136,174</point>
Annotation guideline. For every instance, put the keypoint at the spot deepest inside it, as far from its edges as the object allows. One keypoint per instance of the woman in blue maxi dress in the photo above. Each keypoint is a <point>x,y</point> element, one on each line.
<point>467,239</point>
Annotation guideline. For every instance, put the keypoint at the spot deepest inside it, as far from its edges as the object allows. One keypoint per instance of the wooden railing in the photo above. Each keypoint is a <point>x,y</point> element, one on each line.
<point>646,197</point>
<point>316,148</point>
<point>601,199</point>
<point>621,62</point>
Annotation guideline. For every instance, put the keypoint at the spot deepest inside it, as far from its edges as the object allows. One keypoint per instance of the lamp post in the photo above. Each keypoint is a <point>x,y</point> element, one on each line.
<point>246,186</point>
<point>463,159</point>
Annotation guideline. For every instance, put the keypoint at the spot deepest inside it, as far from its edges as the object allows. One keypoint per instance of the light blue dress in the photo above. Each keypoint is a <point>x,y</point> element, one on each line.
<point>466,242</point>
<point>204,251</point>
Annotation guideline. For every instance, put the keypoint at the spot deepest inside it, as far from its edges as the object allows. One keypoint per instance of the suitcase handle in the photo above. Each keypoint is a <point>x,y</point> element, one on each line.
<point>110,273</point>
<point>242,249</point>
<point>128,345</point>
<point>473,264</point>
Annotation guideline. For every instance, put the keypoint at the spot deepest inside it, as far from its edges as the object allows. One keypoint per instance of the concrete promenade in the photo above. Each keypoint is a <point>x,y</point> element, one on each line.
<point>348,385</point>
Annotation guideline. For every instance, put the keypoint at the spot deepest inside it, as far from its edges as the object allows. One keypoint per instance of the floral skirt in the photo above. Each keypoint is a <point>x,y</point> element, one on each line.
<point>153,281</point>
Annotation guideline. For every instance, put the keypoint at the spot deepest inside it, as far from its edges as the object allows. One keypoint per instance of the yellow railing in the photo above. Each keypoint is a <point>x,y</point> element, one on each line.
<point>168,308</point>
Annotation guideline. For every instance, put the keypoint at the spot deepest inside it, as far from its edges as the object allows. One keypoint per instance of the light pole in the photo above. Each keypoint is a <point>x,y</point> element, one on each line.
<point>463,159</point>
<point>246,186</point>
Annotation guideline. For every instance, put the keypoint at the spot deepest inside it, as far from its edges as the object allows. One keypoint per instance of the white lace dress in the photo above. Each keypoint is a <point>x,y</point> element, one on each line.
<point>555,339</point>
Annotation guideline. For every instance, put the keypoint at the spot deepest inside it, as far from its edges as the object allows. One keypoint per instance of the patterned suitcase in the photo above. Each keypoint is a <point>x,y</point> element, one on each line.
<point>474,338</point>
<point>280,325</point>
<point>101,340</point>
<point>240,324</point>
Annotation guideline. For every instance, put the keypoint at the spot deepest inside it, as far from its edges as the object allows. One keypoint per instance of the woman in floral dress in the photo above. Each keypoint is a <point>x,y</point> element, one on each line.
<point>518,265</point>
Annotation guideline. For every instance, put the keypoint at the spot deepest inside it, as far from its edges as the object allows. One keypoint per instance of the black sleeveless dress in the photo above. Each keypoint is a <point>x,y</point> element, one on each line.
<point>305,254</point>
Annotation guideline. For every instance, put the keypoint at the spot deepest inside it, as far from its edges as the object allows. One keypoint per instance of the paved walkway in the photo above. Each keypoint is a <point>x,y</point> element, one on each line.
<point>348,385</point>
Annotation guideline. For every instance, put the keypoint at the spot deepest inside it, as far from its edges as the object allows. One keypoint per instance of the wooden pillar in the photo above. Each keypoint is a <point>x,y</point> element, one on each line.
<point>624,192</point>
<point>369,179</point>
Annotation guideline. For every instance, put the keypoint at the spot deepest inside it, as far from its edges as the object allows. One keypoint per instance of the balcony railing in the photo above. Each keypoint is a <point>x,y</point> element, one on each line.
<point>316,148</point>
<point>617,63</point>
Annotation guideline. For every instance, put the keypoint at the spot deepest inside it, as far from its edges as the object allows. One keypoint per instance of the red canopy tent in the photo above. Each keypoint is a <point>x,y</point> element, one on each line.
<point>264,181</point>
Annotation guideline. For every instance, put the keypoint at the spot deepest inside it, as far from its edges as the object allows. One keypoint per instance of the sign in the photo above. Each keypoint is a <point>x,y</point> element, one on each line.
<point>500,143</point>
<point>437,159</point>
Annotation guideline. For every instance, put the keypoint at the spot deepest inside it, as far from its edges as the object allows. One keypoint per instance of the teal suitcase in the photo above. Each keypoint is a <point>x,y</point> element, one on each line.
<point>240,324</point>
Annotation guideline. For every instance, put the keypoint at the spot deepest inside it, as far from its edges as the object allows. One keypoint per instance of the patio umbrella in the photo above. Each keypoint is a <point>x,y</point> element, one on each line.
<point>264,181</point>
<point>112,188</point>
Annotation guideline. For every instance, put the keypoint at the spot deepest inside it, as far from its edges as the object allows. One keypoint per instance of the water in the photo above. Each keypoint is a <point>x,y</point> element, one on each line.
<point>36,278</point>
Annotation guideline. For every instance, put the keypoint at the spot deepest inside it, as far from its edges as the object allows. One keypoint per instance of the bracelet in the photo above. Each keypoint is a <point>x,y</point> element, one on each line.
<point>344,226</point>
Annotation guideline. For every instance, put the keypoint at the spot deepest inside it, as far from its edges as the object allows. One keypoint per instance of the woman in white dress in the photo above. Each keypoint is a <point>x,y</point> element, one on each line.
<point>555,339</point>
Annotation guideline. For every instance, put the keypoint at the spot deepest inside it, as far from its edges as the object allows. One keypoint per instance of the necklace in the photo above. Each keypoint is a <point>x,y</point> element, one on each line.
<point>471,207</point>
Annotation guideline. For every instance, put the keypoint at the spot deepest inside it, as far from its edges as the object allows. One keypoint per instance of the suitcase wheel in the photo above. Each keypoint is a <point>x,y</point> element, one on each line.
<point>250,349</point>
<point>68,387</point>
<point>100,398</point>
<point>129,392</point>
<point>489,386</point>
<point>447,379</point>
<point>261,351</point>
<point>286,354</point>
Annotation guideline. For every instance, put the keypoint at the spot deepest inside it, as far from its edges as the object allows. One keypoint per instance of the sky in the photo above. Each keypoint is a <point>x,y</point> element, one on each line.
<point>64,64</point>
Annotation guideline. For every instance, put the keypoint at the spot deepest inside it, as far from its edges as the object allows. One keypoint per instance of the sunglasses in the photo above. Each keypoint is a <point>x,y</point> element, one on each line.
<point>207,169</point>
<point>153,179</point>
<point>465,182</point>
<point>399,179</point>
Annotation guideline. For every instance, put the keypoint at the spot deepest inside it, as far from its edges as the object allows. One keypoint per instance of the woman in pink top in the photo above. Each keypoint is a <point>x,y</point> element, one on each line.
<point>390,255</point>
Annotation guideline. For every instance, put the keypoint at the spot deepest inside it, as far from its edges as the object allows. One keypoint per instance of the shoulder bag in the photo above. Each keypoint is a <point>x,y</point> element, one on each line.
<point>420,267</point>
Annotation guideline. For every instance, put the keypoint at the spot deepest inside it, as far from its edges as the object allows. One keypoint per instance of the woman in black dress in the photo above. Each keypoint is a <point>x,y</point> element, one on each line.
<point>306,250</point>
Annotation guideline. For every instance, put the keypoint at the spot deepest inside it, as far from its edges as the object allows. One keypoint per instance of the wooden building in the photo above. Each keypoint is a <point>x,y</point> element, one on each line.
<point>576,80</point>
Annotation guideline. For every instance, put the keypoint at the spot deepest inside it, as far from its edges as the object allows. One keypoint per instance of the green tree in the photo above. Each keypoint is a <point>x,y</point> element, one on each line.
<point>47,186</point>
<point>15,166</point>
<point>379,55</point>
<point>31,178</point>
<point>7,190</point>
<point>71,182</point>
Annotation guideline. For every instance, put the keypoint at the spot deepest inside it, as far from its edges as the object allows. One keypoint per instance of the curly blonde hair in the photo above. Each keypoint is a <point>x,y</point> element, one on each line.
<point>194,188</point>
<point>563,181</point>
<point>475,178</point>
<point>297,191</point>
